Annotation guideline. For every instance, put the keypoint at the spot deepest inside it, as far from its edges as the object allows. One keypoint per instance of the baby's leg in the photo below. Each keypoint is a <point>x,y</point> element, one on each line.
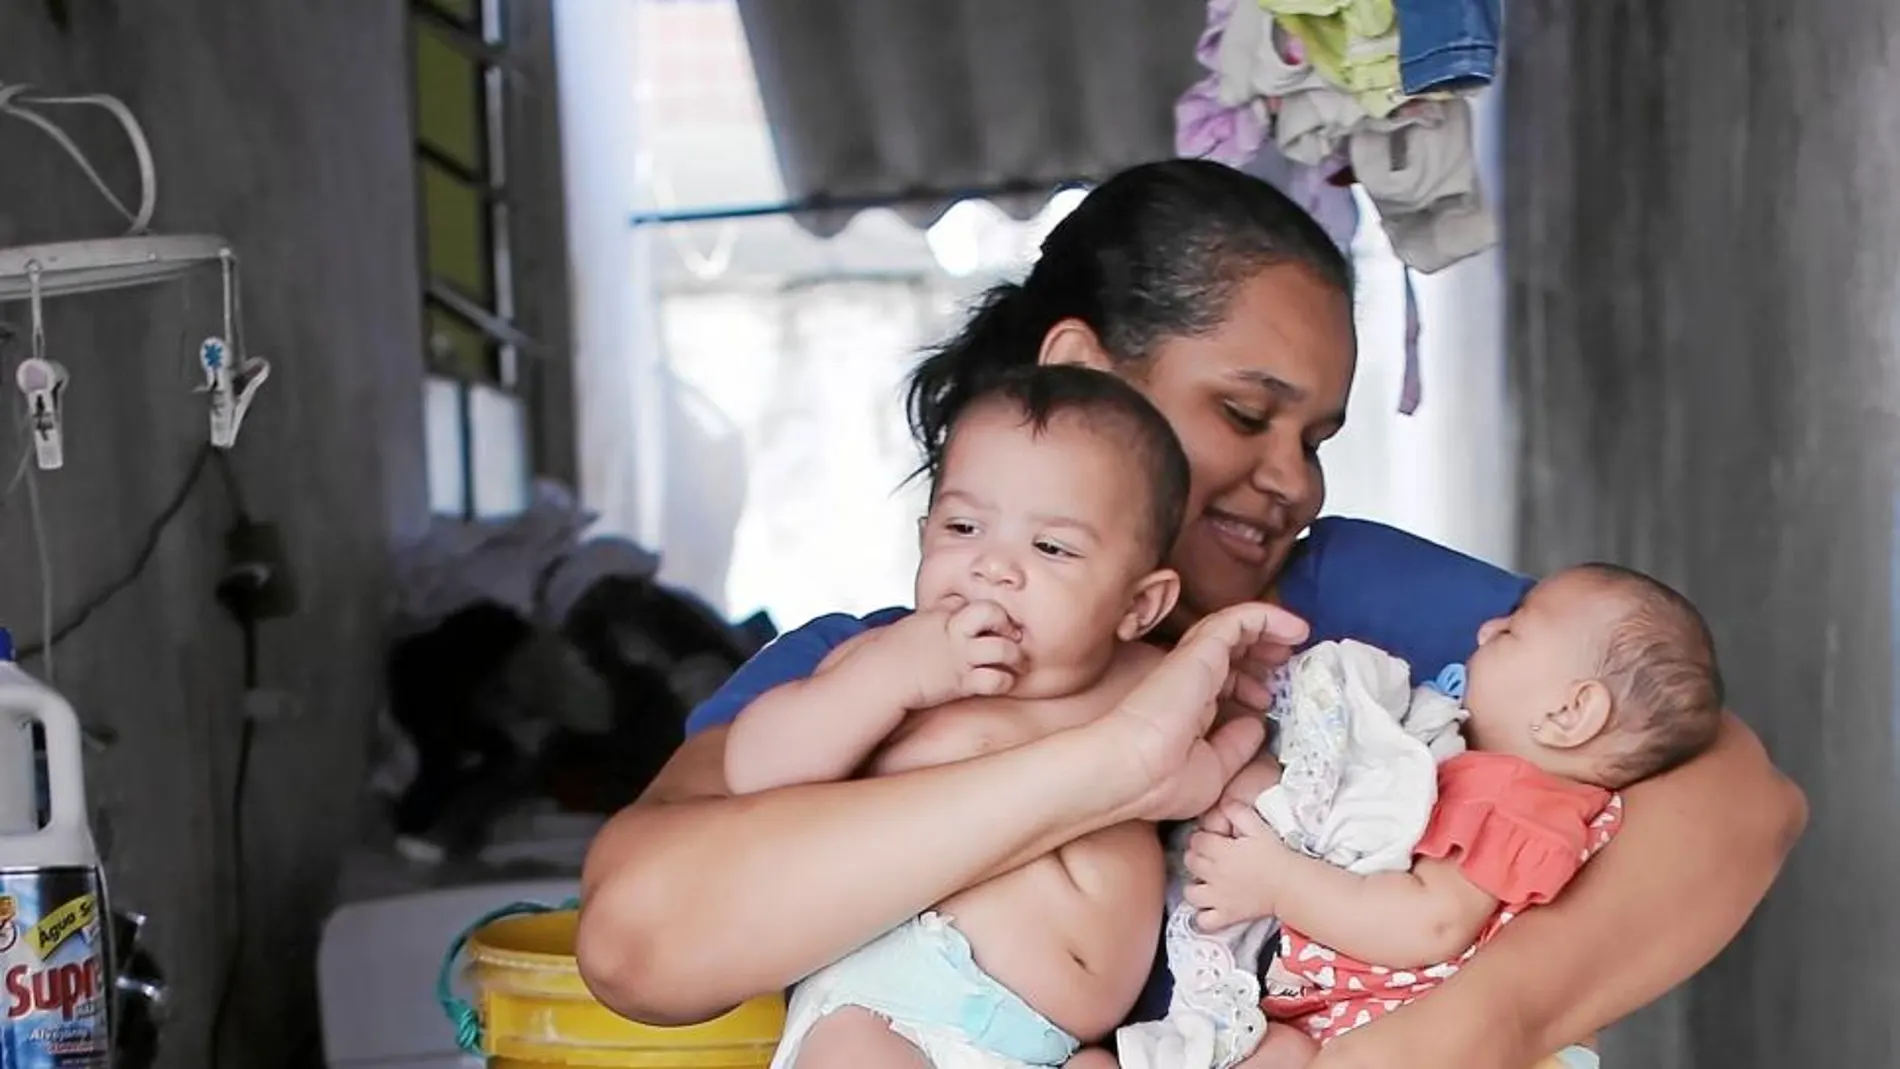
<point>1092,1058</point>
<point>1285,1047</point>
<point>852,1037</point>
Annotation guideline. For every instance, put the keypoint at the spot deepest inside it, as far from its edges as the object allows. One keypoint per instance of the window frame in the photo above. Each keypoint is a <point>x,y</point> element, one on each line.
<point>524,325</point>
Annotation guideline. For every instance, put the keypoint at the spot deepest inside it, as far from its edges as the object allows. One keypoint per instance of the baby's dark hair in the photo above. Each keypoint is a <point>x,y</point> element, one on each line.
<point>1155,252</point>
<point>1110,409</point>
<point>1659,662</point>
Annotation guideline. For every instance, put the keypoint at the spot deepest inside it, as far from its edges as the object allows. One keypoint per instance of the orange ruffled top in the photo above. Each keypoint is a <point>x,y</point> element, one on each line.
<point>1515,831</point>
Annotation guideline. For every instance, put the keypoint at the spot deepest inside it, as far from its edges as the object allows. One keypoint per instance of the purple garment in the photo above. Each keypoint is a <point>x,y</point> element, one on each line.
<point>1204,128</point>
<point>1207,49</point>
<point>1412,388</point>
<point>1311,188</point>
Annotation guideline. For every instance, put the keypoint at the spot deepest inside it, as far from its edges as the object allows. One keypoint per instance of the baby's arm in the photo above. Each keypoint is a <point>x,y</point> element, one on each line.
<point>819,728</point>
<point>1394,919</point>
<point>822,728</point>
<point>1253,780</point>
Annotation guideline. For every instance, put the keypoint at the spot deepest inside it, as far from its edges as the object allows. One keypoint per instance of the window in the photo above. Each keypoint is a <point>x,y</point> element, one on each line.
<point>781,450</point>
<point>487,361</point>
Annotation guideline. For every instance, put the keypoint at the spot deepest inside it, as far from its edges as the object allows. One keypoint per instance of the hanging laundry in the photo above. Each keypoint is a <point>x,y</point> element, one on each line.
<point>1447,45</point>
<point>1315,188</point>
<point>1205,128</point>
<point>1207,48</point>
<point>1312,95</point>
<point>1259,59</point>
<point>1419,169</point>
<point>1413,155</point>
<point>1353,44</point>
<point>1205,125</point>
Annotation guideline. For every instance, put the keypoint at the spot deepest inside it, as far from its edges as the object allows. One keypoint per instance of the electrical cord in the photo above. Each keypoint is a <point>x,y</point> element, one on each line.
<point>234,959</point>
<point>238,592</point>
<point>38,520</point>
<point>148,549</point>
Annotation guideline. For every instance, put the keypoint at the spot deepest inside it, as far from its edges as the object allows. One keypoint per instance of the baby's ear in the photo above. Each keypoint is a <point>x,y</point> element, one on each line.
<point>1154,598</point>
<point>1585,715</point>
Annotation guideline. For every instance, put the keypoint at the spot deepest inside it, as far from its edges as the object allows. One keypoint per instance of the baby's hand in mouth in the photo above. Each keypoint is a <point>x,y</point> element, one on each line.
<point>994,622</point>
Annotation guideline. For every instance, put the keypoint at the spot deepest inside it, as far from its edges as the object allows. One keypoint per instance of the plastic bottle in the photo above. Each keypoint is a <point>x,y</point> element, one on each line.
<point>55,991</point>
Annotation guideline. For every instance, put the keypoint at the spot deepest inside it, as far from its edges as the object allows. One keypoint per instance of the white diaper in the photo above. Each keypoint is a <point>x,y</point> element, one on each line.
<point>922,978</point>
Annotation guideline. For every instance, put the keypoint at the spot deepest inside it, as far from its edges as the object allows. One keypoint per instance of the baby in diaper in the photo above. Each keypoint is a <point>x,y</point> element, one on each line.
<point>1052,509</point>
<point>1601,678</point>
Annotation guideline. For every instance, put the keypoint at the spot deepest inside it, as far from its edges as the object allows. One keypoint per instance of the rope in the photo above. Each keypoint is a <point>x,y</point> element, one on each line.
<point>466,1019</point>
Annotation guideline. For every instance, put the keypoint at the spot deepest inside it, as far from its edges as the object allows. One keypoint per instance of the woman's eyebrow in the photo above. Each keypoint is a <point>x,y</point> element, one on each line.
<point>1270,382</point>
<point>1285,391</point>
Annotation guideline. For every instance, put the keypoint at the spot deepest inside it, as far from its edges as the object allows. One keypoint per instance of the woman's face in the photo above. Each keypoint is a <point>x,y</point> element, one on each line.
<point>1251,403</point>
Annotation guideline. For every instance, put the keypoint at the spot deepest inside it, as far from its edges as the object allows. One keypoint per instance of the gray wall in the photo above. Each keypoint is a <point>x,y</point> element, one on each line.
<point>284,126</point>
<point>1703,249</point>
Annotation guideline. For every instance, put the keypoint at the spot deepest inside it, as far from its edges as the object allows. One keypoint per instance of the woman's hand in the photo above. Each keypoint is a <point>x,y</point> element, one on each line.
<point>1253,676</point>
<point>1164,721</point>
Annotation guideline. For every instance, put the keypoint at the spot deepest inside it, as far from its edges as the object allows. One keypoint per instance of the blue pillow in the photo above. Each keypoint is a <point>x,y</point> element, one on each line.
<point>1409,597</point>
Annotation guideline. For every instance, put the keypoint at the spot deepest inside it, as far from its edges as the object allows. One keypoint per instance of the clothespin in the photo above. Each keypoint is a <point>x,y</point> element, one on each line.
<point>232,384</point>
<point>43,382</point>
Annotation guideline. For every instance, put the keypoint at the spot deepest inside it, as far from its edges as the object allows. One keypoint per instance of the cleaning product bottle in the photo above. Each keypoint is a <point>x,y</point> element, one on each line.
<point>54,957</point>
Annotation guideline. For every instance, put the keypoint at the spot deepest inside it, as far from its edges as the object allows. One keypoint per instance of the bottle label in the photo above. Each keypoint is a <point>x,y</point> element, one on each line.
<point>54,988</point>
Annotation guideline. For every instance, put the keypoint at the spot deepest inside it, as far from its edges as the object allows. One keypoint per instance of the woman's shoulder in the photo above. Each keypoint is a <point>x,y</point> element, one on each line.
<point>1333,541</point>
<point>795,654</point>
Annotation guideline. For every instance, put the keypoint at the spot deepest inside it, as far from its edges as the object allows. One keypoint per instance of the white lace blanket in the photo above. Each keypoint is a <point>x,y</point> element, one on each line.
<point>1360,750</point>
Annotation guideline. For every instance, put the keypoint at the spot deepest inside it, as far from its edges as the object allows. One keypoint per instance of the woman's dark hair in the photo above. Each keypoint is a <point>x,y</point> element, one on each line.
<point>1155,252</point>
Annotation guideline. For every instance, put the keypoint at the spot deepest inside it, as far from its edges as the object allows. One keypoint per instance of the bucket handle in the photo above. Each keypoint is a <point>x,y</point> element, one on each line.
<point>466,1019</point>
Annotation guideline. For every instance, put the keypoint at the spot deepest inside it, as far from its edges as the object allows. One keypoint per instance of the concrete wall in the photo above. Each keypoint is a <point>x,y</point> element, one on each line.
<point>284,126</point>
<point>1703,248</point>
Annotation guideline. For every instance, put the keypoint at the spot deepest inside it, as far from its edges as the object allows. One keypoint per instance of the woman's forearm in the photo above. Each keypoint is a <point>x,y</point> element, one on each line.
<point>693,902</point>
<point>1697,852</point>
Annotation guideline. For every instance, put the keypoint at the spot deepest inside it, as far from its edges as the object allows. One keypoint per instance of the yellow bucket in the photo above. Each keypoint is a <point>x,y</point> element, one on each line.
<point>533,1012</point>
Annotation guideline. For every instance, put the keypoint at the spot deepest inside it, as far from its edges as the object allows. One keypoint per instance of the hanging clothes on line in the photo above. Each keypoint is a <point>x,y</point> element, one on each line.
<point>1212,122</point>
<point>1413,155</point>
<point>1352,44</point>
<point>1447,45</point>
<point>1316,95</point>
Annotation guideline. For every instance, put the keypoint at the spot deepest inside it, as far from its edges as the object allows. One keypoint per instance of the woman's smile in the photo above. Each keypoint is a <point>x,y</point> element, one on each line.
<point>1245,540</point>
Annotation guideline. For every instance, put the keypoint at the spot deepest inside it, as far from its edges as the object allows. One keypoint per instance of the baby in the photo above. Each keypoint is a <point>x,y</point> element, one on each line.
<point>1603,677</point>
<point>1053,507</point>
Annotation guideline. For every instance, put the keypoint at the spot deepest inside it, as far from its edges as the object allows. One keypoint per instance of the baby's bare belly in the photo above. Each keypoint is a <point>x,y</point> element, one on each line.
<point>1073,933</point>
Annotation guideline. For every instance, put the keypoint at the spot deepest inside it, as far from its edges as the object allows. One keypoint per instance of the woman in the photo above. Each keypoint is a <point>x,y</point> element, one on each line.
<point>1232,311</point>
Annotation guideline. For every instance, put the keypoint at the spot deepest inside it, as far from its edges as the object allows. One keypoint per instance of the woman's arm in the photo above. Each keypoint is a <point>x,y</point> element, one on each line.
<point>1714,833</point>
<point>693,901</point>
